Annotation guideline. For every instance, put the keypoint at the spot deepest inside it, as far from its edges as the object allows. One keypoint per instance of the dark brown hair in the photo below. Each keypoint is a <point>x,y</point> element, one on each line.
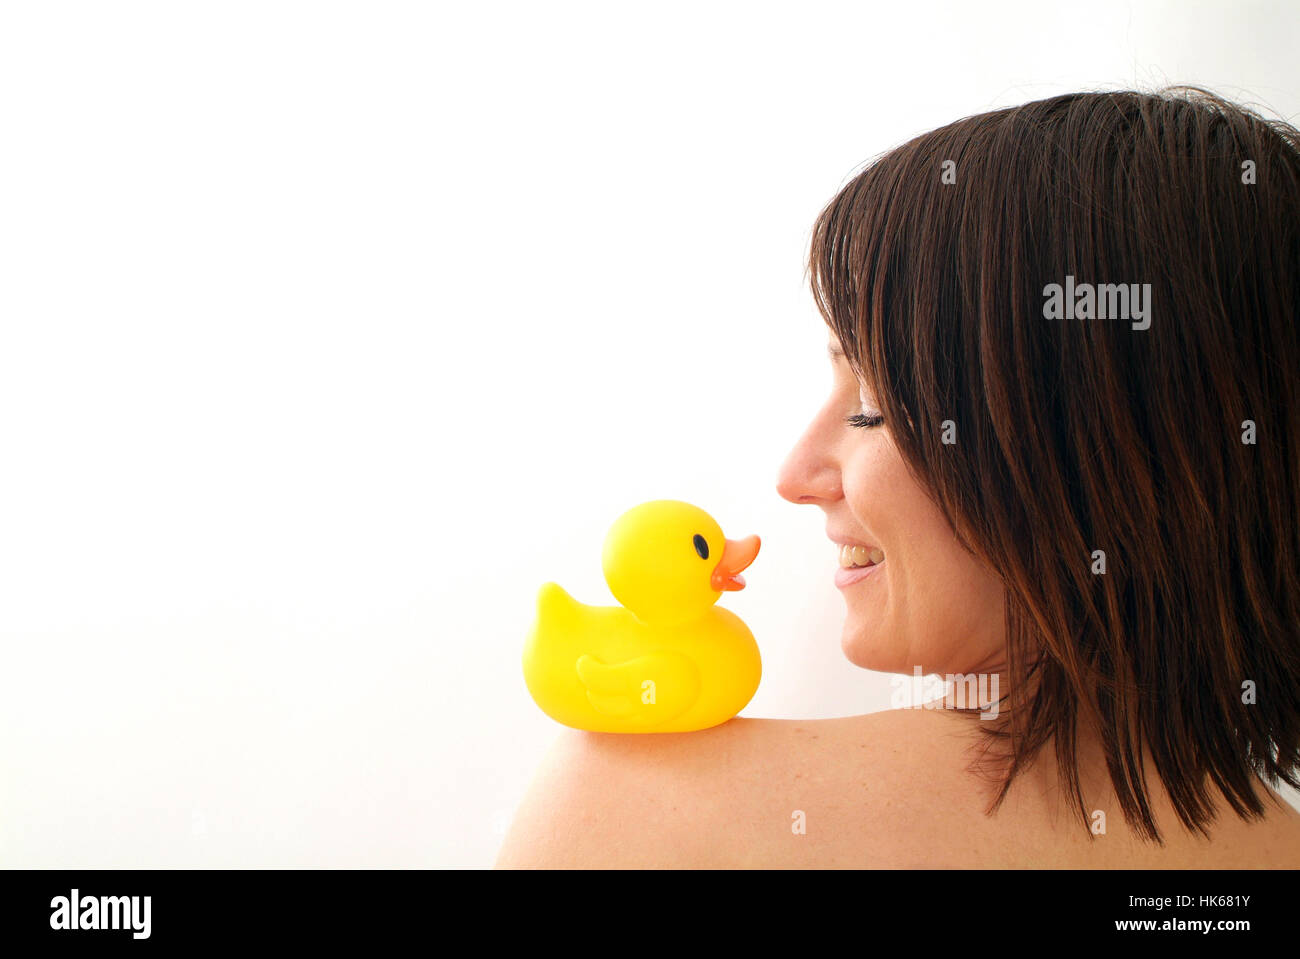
<point>1075,435</point>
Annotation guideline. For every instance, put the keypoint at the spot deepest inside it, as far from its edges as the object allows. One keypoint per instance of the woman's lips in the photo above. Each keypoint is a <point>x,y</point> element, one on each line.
<point>848,575</point>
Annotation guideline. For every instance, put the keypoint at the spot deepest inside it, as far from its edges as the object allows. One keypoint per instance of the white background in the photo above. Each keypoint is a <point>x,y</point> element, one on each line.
<point>330,331</point>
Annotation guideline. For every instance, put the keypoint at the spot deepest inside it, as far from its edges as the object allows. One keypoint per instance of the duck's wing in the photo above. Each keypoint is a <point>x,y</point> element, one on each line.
<point>646,691</point>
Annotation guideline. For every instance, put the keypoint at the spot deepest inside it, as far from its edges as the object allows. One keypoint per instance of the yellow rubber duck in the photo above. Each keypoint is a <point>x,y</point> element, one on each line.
<point>664,661</point>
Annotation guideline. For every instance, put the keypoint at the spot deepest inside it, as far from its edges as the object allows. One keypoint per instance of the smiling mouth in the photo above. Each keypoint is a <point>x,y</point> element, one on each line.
<point>854,557</point>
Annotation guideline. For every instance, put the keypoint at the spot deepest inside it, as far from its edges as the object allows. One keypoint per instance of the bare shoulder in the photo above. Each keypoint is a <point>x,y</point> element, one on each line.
<point>748,793</point>
<point>883,790</point>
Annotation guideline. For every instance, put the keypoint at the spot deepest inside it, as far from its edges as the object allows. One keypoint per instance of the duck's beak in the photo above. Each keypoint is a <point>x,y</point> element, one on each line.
<point>736,555</point>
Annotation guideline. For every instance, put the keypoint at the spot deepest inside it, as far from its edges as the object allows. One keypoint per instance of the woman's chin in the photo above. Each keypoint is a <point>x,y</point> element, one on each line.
<point>866,650</point>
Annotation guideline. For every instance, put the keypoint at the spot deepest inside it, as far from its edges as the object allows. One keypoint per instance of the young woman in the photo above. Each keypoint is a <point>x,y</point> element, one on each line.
<point>1062,455</point>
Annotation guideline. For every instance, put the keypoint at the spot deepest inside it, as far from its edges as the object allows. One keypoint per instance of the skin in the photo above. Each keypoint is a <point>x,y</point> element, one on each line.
<point>885,790</point>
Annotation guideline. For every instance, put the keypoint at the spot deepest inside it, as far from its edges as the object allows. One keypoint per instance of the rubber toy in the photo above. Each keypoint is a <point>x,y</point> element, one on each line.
<point>666,660</point>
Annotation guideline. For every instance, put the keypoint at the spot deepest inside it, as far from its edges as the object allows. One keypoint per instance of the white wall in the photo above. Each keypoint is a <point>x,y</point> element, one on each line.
<point>332,330</point>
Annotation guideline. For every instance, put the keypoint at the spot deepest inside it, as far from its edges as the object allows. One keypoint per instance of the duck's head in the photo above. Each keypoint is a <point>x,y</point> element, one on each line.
<point>667,561</point>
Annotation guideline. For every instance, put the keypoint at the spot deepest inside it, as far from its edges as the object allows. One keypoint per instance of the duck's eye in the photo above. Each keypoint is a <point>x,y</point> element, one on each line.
<point>701,546</point>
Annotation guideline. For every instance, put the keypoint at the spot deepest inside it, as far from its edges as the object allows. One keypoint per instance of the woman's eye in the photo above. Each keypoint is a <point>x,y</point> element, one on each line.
<point>867,418</point>
<point>864,420</point>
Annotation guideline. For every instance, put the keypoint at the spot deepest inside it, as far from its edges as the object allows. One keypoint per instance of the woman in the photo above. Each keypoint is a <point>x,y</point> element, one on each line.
<point>1064,425</point>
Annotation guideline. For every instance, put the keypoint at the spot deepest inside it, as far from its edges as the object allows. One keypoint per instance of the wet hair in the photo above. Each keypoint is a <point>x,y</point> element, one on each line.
<point>1167,455</point>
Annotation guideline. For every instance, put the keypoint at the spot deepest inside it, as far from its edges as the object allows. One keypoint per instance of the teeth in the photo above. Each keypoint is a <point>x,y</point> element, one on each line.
<point>860,556</point>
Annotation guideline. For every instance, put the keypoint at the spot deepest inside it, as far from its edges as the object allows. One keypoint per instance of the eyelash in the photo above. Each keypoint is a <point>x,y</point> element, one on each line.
<point>862,421</point>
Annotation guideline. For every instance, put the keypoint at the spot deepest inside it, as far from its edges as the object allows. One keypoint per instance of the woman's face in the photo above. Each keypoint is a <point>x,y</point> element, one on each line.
<point>929,602</point>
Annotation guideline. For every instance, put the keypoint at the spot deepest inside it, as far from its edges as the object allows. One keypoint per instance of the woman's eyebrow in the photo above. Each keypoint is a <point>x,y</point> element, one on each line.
<point>834,352</point>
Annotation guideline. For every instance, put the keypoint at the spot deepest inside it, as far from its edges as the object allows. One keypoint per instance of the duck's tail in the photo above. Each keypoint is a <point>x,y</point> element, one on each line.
<point>555,605</point>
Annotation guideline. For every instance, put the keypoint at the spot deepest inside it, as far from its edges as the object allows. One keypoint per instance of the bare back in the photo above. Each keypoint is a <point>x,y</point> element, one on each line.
<point>929,768</point>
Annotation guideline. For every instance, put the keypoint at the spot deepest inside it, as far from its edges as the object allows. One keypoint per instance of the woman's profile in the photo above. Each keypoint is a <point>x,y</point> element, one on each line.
<point>1060,459</point>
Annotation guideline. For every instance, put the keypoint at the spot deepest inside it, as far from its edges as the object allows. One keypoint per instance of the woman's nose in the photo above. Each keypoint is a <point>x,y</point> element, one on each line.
<point>809,474</point>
